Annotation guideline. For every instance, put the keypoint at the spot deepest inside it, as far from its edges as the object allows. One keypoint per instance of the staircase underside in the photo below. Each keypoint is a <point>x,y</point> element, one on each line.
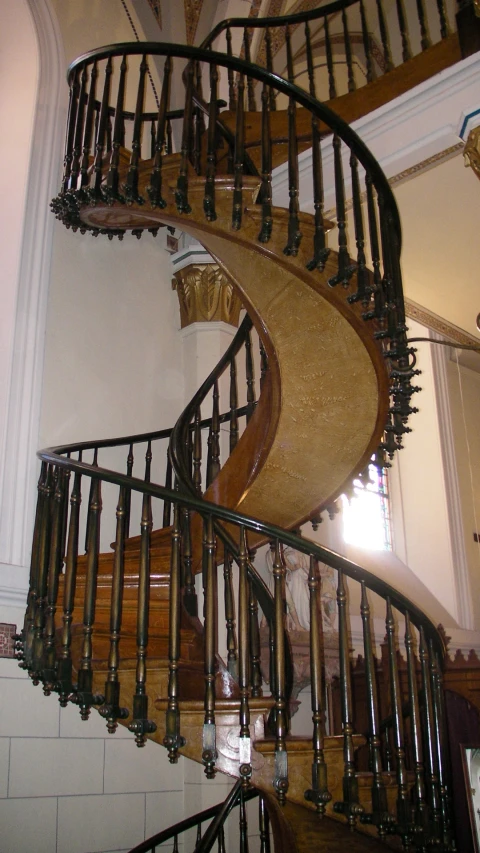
<point>325,370</point>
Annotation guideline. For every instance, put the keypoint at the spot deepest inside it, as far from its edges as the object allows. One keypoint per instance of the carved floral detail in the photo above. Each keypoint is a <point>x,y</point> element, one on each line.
<point>205,294</point>
<point>471,152</point>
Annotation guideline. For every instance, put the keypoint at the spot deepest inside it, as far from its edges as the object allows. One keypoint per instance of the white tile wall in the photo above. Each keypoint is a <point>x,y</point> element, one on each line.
<point>4,765</point>
<point>55,767</point>
<point>25,711</point>
<point>94,824</point>
<point>148,768</point>
<point>28,825</point>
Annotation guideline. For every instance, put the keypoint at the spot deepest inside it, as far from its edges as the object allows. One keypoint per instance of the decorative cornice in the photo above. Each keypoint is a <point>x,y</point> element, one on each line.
<point>205,294</point>
<point>438,324</point>
<point>193,9</point>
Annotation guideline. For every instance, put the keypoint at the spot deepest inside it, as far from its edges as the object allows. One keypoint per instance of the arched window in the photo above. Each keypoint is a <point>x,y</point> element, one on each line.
<point>366,512</point>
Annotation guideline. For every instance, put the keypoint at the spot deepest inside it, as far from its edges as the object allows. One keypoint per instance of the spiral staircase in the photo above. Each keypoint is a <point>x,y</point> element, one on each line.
<point>120,630</point>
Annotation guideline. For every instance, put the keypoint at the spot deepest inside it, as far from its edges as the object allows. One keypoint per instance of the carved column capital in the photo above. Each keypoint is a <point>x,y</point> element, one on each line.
<point>471,152</point>
<point>205,294</point>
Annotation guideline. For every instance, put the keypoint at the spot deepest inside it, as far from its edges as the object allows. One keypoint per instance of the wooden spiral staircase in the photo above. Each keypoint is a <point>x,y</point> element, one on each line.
<point>326,304</point>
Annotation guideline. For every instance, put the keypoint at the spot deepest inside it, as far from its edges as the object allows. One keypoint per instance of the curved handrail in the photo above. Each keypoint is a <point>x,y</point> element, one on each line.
<point>319,110</point>
<point>265,530</point>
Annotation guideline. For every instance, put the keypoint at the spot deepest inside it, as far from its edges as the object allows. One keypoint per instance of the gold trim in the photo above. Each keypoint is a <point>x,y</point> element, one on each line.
<point>205,294</point>
<point>438,324</point>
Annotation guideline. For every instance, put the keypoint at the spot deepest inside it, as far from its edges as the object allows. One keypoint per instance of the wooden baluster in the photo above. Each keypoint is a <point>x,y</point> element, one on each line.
<point>175,848</point>
<point>213,456</point>
<point>379,815</point>
<point>111,710</point>
<point>252,105</point>
<point>402,23</point>
<point>243,824</point>
<point>154,189</point>
<point>363,289</point>
<point>102,129</point>
<point>209,752</point>
<point>294,233</point>
<point>387,56</point>
<point>209,197</point>
<point>128,495</point>
<point>70,132</point>
<point>141,726</point>
<point>348,52</point>
<point>441,738</point>
<point>64,673</point>
<point>255,671</point>
<point>318,794</point>
<point>42,579</point>
<point>425,40</point>
<point>233,404</point>
<point>404,811</point>
<point>167,507</point>
<point>239,156</point>
<point>199,123</point>
<point>77,145</point>
<point>280,781</point>
<point>189,594</point>
<point>173,739</point>
<point>249,374</point>
<point>430,744</point>
<point>350,805</point>
<point>332,89</point>
<point>88,129</point>
<point>272,102</point>
<point>197,453</point>
<point>90,498</point>
<point>264,826</point>
<point>320,251</point>
<point>84,696</point>
<point>263,365</point>
<point>444,30</point>
<point>181,193</point>
<point>345,268</point>
<point>369,63</point>
<point>232,652</point>
<point>266,187</point>
<point>245,766</point>
<point>199,835</point>
<point>153,136</point>
<point>377,289</point>
<point>118,134</point>
<point>232,101</point>
<point>25,656</point>
<point>54,571</point>
<point>131,184</point>
<point>169,137</point>
<point>64,521</point>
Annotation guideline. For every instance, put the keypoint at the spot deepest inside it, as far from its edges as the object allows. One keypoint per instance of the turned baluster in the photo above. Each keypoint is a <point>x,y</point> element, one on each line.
<point>25,655</point>
<point>111,710</point>
<point>64,673</point>
<point>84,696</point>
<point>441,739</point>
<point>70,132</point>
<point>266,188</point>
<point>243,824</point>
<point>239,155</point>
<point>102,129</point>
<point>369,64</point>
<point>232,101</point>
<point>54,571</point>
<point>402,24</point>
<point>422,20</point>
<point>320,251</point>
<point>42,579</point>
<point>209,197</point>
<point>252,105</point>
<point>209,752</point>
<point>272,102</point>
<point>131,184</point>
<point>141,726</point>
<point>345,268</point>
<point>198,122</point>
<point>213,442</point>
<point>387,56</point>
<point>350,805</point>
<point>169,137</point>
<point>189,593</point>
<point>348,52</point>
<point>404,811</point>
<point>263,364</point>
<point>280,781</point>
<point>167,506</point>
<point>233,404</point>
<point>173,740</point>
<point>443,19</point>
<point>254,636</point>
<point>332,89</point>
<point>430,742</point>
<point>318,794</point>
<point>128,495</point>
<point>232,652</point>
<point>294,233</point>
<point>245,768</point>
<point>154,189</point>
<point>249,374</point>
<point>77,145</point>
<point>363,290</point>
<point>88,129</point>
<point>181,192</point>
<point>264,826</point>
<point>197,453</point>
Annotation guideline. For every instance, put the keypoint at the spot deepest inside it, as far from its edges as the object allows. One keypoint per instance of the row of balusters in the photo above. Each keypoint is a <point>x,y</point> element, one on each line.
<point>422,813</point>
<point>378,289</point>
<point>357,21</point>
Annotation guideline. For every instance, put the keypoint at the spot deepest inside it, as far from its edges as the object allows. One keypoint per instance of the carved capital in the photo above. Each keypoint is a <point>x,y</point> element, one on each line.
<point>471,152</point>
<point>205,294</point>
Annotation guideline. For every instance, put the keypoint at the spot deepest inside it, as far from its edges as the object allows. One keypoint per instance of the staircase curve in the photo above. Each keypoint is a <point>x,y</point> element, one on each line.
<point>336,388</point>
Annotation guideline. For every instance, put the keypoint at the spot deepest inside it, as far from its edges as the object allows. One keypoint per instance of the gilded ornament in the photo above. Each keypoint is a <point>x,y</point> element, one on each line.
<point>205,294</point>
<point>471,152</point>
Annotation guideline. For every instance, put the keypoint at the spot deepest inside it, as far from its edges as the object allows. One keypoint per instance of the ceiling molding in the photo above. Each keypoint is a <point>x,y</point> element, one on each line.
<point>437,324</point>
